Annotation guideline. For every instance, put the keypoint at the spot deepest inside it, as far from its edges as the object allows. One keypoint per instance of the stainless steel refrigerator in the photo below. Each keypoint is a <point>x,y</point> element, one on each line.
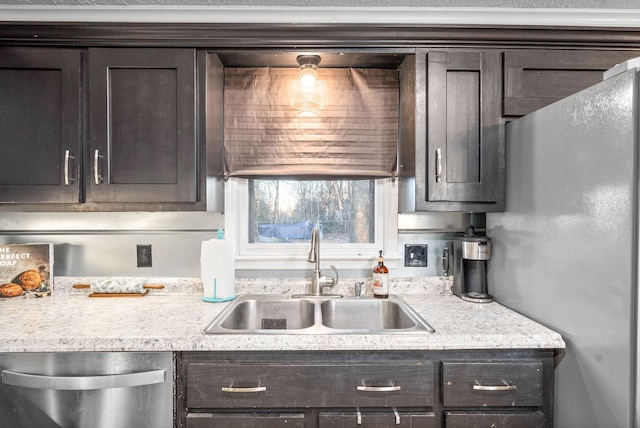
<point>565,251</point>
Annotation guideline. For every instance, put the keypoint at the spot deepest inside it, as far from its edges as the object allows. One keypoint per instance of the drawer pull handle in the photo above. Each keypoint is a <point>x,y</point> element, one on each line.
<point>505,387</point>
<point>233,389</point>
<point>438,165</point>
<point>378,388</point>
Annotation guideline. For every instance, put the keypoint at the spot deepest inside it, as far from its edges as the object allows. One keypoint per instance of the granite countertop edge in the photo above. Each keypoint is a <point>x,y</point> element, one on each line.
<point>173,320</point>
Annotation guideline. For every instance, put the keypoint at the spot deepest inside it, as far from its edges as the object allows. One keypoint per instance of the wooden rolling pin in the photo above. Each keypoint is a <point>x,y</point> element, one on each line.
<point>118,287</point>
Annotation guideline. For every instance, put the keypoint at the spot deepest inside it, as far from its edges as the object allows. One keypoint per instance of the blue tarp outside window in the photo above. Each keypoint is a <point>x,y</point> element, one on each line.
<point>285,232</point>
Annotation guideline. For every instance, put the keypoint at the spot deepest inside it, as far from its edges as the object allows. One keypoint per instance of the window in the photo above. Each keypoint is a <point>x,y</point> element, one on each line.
<point>356,217</point>
<point>285,211</point>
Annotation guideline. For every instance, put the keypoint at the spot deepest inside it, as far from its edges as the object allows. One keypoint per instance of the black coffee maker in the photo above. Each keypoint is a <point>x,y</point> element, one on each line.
<point>471,253</point>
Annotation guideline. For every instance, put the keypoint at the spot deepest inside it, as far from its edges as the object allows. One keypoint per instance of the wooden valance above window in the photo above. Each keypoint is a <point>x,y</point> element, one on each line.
<point>354,135</point>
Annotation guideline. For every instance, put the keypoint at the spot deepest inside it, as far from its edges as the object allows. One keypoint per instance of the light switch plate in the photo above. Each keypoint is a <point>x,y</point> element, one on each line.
<point>415,255</point>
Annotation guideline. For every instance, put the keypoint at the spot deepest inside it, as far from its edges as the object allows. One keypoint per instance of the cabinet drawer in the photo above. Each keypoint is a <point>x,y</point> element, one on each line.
<point>245,420</point>
<point>492,384</point>
<point>286,386</point>
<point>494,420</point>
<point>377,420</point>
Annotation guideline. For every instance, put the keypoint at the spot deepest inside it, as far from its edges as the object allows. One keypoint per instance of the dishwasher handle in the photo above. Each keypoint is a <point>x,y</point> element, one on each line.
<point>82,383</point>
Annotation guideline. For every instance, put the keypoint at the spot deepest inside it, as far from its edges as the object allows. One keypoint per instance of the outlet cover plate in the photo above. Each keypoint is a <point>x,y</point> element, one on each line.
<point>143,255</point>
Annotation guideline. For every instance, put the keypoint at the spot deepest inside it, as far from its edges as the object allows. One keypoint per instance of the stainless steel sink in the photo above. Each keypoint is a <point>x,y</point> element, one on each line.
<point>258,314</point>
<point>269,314</point>
<point>360,314</point>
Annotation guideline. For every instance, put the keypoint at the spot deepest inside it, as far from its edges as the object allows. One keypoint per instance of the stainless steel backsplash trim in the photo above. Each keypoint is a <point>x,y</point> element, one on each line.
<point>109,222</point>
<point>104,243</point>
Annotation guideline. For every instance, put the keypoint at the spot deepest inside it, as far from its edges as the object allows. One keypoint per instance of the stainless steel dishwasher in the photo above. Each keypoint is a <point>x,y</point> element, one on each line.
<point>87,389</point>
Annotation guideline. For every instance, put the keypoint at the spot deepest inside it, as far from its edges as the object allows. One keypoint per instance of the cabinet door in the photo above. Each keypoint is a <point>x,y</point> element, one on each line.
<point>244,420</point>
<point>40,125</point>
<point>536,78</point>
<point>142,126</point>
<point>462,168</point>
<point>495,419</point>
<point>383,419</point>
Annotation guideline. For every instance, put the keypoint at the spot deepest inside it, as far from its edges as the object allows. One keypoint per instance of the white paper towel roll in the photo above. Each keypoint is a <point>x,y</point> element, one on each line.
<point>218,270</point>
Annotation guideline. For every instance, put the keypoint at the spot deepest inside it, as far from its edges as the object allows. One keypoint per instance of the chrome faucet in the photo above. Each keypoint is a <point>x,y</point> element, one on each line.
<point>318,281</point>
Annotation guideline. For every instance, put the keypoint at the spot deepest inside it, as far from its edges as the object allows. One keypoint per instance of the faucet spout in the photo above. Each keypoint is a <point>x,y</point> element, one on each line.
<point>317,280</point>
<point>315,248</point>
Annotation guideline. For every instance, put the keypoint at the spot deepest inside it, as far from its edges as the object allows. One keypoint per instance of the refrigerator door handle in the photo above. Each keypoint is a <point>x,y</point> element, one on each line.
<point>82,383</point>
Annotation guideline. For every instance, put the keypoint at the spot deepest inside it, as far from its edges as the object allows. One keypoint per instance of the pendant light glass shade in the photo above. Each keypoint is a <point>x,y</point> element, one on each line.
<point>307,95</point>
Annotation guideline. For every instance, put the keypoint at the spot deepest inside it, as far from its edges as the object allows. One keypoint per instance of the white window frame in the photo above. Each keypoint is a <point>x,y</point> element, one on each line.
<point>267,256</point>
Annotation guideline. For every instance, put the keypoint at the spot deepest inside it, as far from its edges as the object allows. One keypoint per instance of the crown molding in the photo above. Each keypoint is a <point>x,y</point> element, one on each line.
<point>481,16</point>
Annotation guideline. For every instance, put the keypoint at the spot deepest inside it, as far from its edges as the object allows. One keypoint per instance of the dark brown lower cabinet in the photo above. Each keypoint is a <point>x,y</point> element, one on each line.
<point>245,420</point>
<point>308,385</point>
<point>389,418</point>
<point>495,420</point>
<point>365,389</point>
<point>495,384</point>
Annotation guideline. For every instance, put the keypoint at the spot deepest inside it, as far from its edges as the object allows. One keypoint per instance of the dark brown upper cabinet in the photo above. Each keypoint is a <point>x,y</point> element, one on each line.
<point>452,133</point>
<point>142,126</point>
<point>534,78</point>
<point>40,125</point>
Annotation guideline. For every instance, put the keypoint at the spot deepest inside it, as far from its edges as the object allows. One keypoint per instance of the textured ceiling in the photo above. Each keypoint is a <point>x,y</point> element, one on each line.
<point>578,4</point>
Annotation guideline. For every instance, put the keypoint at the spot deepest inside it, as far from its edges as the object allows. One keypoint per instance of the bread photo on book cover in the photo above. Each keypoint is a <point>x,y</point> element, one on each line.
<point>26,270</point>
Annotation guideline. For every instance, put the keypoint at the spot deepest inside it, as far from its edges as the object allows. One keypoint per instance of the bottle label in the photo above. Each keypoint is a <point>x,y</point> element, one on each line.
<point>381,284</point>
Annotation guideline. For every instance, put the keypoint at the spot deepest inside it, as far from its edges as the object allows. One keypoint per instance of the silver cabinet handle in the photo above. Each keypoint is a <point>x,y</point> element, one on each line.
<point>97,178</point>
<point>249,389</point>
<point>378,388</point>
<point>67,178</point>
<point>438,165</point>
<point>395,412</point>
<point>82,383</point>
<point>505,387</point>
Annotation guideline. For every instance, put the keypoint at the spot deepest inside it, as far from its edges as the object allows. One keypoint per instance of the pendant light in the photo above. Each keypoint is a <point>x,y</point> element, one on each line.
<point>307,95</point>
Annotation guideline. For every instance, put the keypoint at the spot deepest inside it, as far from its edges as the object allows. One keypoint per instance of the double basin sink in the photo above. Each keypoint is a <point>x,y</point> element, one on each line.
<point>278,314</point>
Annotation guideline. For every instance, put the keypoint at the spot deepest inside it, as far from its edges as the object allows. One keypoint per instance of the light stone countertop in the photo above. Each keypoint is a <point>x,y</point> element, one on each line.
<point>173,319</point>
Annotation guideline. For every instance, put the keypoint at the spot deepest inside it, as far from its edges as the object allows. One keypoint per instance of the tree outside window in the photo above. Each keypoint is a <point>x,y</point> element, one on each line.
<point>285,211</point>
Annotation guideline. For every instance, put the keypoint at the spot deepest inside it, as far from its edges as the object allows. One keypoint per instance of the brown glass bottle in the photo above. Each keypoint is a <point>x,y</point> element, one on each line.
<point>380,279</point>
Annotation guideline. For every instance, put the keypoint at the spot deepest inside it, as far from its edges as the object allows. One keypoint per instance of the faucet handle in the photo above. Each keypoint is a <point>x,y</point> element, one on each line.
<point>337,275</point>
<point>327,281</point>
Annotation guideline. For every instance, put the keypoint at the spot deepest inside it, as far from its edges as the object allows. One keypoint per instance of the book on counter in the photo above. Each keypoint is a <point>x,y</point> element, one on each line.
<point>26,270</point>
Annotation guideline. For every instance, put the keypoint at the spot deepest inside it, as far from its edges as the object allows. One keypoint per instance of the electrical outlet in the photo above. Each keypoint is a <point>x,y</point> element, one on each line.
<point>415,255</point>
<point>143,254</point>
